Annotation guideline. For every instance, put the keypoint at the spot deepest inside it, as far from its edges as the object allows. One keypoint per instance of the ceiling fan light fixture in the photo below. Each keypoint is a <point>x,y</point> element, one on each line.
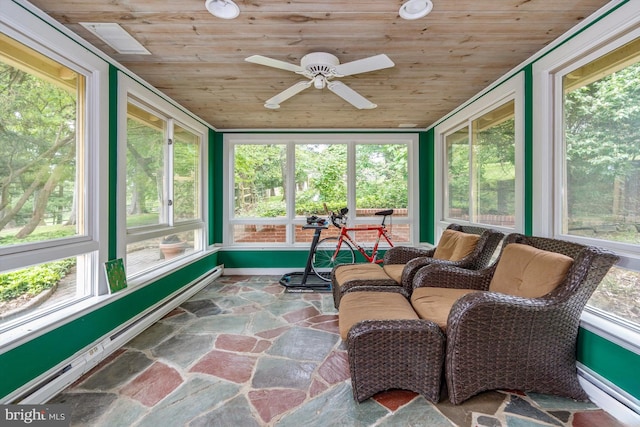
<point>415,9</point>
<point>225,9</point>
<point>272,106</point>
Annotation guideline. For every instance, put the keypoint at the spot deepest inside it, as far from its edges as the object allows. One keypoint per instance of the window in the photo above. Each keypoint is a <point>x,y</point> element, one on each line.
<point>480,149</point>
<point>162,188</point>
<point>601,168</point>
<point>48,248</point>
<point>278,181</point>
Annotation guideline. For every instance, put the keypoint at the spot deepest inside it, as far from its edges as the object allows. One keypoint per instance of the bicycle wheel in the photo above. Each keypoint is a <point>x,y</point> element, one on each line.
<point>323,260</point>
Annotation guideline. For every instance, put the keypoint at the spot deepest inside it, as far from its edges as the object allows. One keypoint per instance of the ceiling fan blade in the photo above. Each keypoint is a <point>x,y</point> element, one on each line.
<point>364,65</point>
<point>275,101</point>
<point>350,95</point>
<point>275,63</point>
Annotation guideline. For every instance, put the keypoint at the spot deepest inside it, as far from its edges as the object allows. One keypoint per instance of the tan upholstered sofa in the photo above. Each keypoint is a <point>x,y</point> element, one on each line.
<point>512,325</point>
<point>462,246</point>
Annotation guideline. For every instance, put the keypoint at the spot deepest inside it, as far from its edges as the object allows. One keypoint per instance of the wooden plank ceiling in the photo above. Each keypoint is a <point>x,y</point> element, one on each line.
<point>441,60</point>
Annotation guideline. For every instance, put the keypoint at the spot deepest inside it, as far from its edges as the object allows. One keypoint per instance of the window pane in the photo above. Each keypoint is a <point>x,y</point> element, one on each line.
<point>493,167</point>
<point>243,233</point>
<point>602,146</point>
<point>186,155</point>
<point>40,288</point>
<point>149,254</point>
<point>618,294</point>
<point>381,178</point>
<point>145,167</point>
<point>39,146</point>
<point>321,177</point>
<point>259,180</point>
<point>458,174</point>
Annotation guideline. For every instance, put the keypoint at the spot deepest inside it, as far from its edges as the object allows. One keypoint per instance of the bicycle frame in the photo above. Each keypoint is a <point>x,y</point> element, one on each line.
<point>382,232</point>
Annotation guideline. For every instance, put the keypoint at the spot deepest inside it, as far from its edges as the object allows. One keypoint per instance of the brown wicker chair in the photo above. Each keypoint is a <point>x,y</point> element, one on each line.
<point>499,341</point>
<point>414,259</point>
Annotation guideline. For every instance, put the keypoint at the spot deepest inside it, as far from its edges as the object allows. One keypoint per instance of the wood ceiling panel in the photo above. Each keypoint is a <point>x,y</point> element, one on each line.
<point>441,60</point>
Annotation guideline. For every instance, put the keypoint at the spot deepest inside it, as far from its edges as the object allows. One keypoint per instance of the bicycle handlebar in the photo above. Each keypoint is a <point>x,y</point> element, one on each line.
<point>340,219</point>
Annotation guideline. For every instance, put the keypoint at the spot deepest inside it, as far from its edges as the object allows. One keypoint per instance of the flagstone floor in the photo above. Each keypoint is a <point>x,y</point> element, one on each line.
<point>243,352</point>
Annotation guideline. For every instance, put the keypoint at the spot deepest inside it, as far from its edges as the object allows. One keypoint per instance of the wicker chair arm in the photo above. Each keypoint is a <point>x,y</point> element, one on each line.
<point>447,276</point>
<point>403,254</point>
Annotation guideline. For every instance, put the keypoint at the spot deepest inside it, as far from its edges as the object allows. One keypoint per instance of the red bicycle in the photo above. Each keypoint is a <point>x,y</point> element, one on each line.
<point>332,251</point>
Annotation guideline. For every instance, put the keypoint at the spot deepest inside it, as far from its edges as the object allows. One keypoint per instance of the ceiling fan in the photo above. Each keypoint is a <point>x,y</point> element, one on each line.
<point>320,68</point>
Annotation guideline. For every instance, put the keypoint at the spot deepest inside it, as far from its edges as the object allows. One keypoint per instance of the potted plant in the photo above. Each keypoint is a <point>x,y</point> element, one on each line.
<point>171,246</point>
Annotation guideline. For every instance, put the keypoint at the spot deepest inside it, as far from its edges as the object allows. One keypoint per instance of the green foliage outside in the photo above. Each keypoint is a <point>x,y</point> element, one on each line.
<point>33,280</point>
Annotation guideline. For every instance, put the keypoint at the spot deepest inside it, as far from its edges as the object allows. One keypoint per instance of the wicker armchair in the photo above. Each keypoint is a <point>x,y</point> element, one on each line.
<point>500,341</point>
<point>414,259</point>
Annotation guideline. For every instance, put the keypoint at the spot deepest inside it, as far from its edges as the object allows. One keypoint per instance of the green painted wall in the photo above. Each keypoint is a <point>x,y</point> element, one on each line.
<point>616,364</point>
<point>427,185</point>
<point>29,360</point>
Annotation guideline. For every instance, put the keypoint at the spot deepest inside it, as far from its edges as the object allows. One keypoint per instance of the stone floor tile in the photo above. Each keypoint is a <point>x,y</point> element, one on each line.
<point>302,314</point>
<point>151,336</point>
<point>262,321</point>
<point>522,407</point>
<point>86,408</point>
<point>189,401</point>
<point>393,399</point>
<point>418,413</point>
<point>123,412</point>
<point>335,407</point>
<point>317,387</point>
<point>513,421</point>
<point>304,344</point>
<point>229,366</point>
<point>272,403</point>
<point>234,413</point>
<point>241,343</point>
<point>275,372</point>
<point>335,368</point>
<point>184,349</point>
<point>218,324</point>
<point>462,415</point>
<point>596,418</point>
<point>482,420</point>
<point>273,333</point>
<point>201,307</point>
<point>99,366</point>
<point>121,370</point>
<point>549,401</point>
<point>153,385</point>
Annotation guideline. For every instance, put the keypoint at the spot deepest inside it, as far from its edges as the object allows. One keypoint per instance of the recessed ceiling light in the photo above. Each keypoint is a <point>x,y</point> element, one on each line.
<point>225,9</point>
<point>116,37</point>
<point>415,9</point>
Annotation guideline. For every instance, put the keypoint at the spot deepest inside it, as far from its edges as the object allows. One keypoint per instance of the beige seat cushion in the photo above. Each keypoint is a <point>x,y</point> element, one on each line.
<point>455,245</point>
<point>364,271</point>
<point>529,272</point>
<point>435,303</point>
<point>358,306</point>
<point>394,271</point>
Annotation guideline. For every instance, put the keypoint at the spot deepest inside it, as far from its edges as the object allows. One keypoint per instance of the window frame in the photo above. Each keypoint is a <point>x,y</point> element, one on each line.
<point>511,90</point>
<point>290,221</point>
<point>91,246</point>
<point>128,89</point>
<point>605,35</point>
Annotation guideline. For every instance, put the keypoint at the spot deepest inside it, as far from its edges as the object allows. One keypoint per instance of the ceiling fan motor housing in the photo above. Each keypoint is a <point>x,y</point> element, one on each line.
<point>319,63</point>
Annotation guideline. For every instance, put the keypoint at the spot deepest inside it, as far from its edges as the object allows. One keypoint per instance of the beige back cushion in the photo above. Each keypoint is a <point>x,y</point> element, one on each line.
<point>455,245</point>
<point>529,272</point>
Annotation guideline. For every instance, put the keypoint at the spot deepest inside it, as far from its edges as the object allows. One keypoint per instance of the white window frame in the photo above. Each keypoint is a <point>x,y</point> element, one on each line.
<point>612,31</point>
<point>512,90</point>
<point>91,246</point>
<point>128,88</point>
<point>290,141</point>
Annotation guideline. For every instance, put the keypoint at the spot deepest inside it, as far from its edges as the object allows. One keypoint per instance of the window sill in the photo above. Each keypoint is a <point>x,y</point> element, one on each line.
<point>612,331</point>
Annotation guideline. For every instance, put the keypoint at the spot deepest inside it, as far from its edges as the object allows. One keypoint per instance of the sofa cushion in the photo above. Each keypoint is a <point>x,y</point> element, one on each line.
<point>394,271</point>
<point>435,303</point>
<point>358,306</point>
<point>529,272</point>
<point>455,245</point>
<point>365,271</point>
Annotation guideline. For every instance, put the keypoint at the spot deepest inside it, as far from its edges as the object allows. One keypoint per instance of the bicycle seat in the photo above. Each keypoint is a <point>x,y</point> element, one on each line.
<point>385,213</point>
